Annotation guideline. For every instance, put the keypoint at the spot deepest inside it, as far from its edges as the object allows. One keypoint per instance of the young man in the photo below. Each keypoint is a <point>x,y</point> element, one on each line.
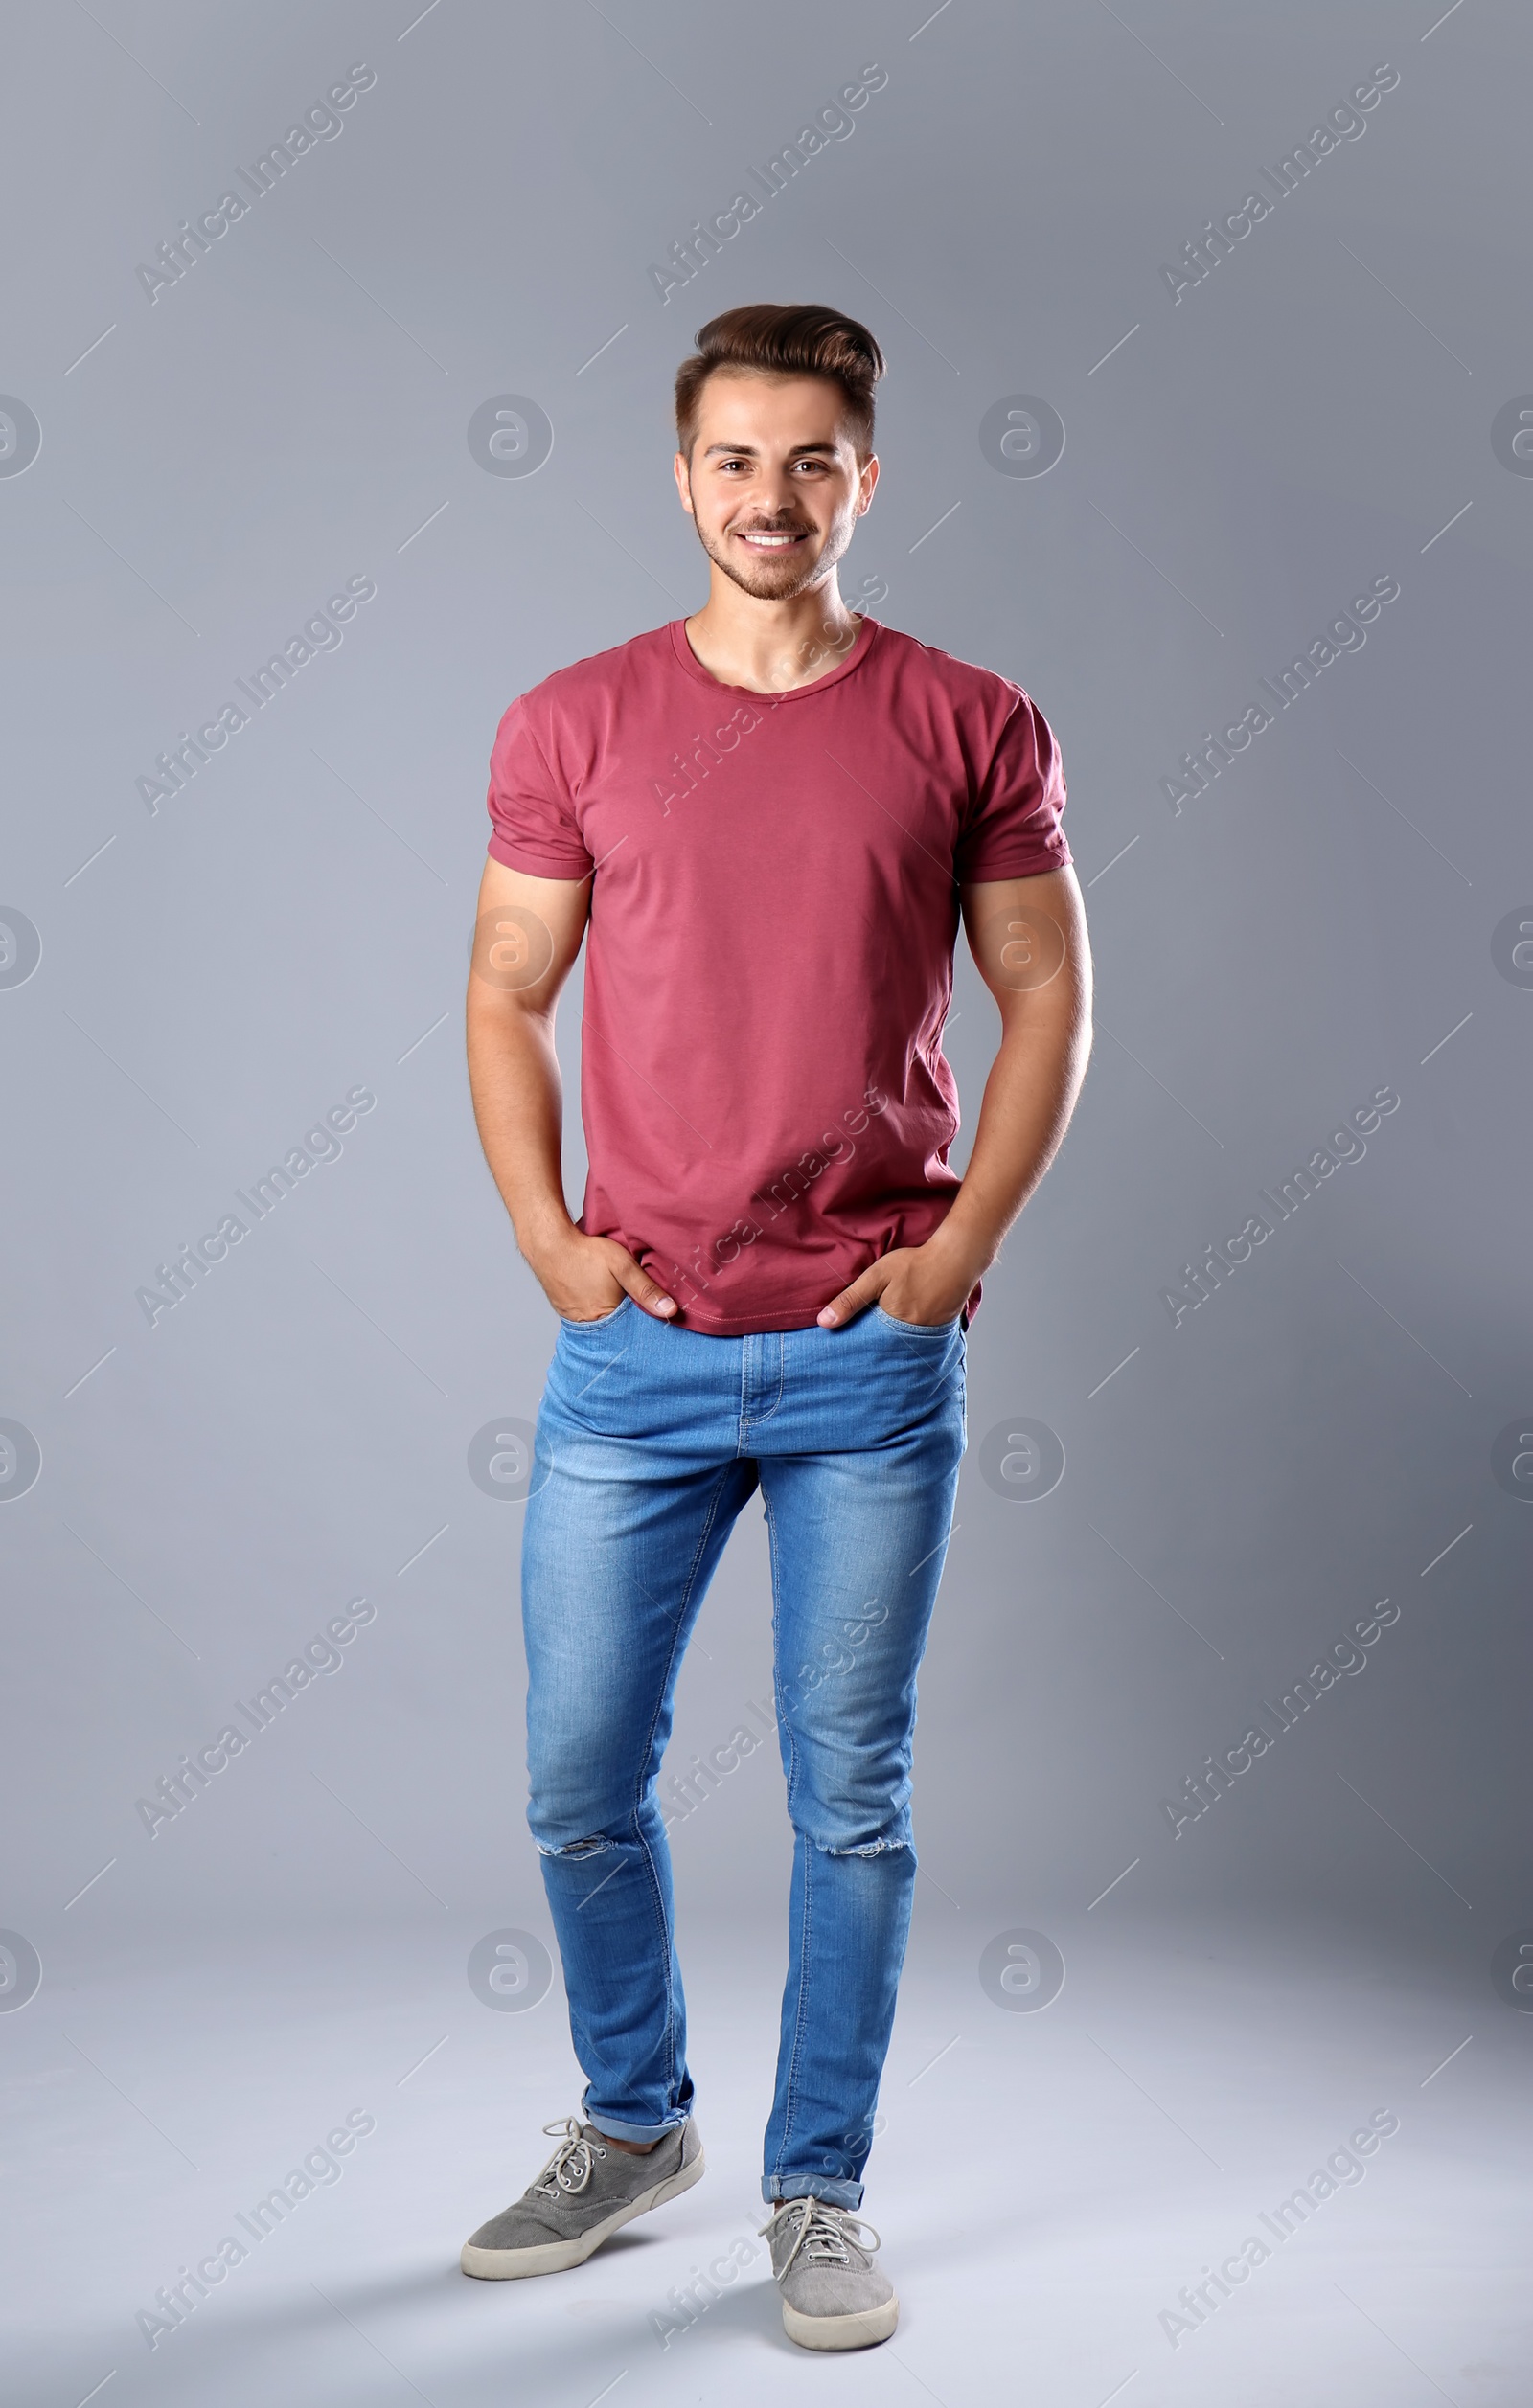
<point>770,816</point>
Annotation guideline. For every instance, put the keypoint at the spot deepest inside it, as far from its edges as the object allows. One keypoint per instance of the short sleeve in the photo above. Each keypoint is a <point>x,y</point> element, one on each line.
<point>1012,830</point>
<point>533,826</point>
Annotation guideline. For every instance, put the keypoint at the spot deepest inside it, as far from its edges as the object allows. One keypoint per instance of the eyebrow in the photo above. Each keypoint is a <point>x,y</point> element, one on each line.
<point>748,451</point>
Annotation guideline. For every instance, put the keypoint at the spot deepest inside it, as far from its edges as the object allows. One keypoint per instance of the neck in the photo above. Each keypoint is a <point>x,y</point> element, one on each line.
<point>771,646</point>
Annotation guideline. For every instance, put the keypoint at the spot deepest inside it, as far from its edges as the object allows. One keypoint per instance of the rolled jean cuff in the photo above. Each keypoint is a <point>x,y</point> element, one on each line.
<point>776,2188</point>
<point>612,2128</point>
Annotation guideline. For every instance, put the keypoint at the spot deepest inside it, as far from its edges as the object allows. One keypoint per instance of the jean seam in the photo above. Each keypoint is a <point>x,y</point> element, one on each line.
<point>800,1840</point>
<point>752,1420</point>
<point>942,1374</point>
<point>679,1617</point>
<point>774,1550</point>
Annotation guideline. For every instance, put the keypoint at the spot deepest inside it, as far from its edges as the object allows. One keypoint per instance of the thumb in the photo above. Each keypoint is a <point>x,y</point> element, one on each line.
<point>645,1294</point>
<point>853,1300</point>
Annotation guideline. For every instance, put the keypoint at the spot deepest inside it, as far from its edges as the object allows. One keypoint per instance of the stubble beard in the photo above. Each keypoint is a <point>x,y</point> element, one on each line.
<point>766,580</point>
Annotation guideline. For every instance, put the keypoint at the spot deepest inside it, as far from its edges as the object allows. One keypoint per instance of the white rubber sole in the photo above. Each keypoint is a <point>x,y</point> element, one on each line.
<point>841,2332</point>
<point>554,2256</point>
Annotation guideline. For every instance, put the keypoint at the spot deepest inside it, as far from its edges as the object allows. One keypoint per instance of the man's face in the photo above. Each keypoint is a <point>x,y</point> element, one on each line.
<point>775,487</point>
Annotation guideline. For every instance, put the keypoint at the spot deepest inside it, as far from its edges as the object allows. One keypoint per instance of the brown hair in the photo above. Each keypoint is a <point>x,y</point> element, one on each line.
<point>795,338</point>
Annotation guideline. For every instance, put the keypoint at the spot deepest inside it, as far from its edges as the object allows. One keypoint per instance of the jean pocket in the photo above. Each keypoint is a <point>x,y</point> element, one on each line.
<point>602,1320</point>
<point>917,1329</point>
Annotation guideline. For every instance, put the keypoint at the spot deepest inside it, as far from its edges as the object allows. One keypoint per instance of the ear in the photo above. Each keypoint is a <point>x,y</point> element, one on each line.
<point>683,477</point>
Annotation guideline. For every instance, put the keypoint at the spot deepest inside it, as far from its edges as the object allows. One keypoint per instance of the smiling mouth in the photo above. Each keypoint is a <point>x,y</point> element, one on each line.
<point>770,539</point>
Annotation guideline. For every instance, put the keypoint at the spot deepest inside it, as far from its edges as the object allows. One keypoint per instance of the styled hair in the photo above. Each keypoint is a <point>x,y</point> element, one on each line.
<point>785,338</point>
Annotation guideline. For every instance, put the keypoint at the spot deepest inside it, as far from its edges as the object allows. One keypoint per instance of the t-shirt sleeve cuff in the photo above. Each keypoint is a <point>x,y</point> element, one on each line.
<point>539,861</point>
<point>1017,861</point>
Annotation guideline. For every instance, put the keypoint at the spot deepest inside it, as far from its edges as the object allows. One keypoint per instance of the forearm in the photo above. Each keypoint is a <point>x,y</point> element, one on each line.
<point>1029,1097</point>
<point>526,937</point>
<point>518,1104</point>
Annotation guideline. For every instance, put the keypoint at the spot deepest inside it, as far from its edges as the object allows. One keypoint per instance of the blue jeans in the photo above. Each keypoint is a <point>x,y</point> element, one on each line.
<point>650,1441</point>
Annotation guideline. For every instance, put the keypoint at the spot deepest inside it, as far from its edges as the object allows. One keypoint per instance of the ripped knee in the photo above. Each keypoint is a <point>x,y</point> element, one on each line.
<point>576,1850</point>
<point>842,1831</point>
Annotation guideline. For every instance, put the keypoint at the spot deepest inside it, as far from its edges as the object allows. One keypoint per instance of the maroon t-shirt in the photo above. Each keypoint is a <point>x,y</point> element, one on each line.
<point>767,1105</point>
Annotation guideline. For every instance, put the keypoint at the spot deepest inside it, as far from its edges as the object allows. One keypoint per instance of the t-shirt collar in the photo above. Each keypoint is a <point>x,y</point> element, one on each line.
<point>687,660</point>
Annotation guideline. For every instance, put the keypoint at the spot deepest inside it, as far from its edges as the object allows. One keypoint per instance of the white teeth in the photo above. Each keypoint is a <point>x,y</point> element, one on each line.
<point>774,542</point>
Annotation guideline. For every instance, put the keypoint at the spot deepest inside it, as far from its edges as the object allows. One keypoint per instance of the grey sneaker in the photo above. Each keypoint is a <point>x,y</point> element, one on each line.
<point>833,2296</point>
<point>584,2194</point>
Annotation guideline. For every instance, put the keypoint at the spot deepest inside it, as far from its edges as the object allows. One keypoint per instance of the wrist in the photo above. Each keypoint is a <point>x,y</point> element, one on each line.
<point>545,1238</point>
<point>960,1253</point>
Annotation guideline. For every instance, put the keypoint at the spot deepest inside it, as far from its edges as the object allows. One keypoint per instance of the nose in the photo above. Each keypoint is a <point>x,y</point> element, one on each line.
<point>776,498</point>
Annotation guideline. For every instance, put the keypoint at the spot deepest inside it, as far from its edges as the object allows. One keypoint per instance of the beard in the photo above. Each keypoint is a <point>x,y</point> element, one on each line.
<point>769,578</point>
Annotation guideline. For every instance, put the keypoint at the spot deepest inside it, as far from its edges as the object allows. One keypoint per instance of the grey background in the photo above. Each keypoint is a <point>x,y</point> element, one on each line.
<point>1239,464</point>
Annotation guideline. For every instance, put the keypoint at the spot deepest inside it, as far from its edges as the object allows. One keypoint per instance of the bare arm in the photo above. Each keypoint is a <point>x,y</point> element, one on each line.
<point>1029,943</point>
<point>527,936</point>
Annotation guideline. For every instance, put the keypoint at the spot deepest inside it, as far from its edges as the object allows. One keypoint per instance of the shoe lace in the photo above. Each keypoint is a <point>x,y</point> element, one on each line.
<point>570,2168</point>
<point>824,2236</point>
